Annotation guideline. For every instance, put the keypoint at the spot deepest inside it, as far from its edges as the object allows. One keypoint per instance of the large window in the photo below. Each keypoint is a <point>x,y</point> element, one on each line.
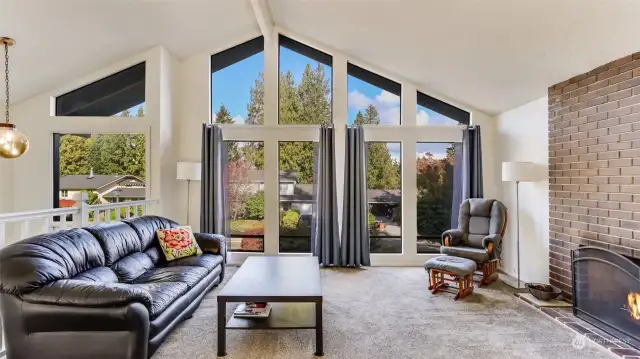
<point>372,99</point>
<point>122,93</point>
<point>305,84</point>
<point>107,168</point>
<point>436,176</point>
<point>296,196</point>
<point>384,196</point>
<point>237,84</point>
<point>246,196</point>
<point>433,112</point>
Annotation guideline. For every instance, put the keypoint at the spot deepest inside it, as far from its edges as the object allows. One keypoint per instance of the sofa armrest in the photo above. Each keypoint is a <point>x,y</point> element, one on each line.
<point>78,293</point>
<point>493,244</point>
<point>452,238</point>
<point>125,329</point>
<point>212,243</point>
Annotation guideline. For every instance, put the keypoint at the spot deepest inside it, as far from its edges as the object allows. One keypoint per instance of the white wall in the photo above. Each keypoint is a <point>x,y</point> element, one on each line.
<point>6,186</point>
<point>523,136</point>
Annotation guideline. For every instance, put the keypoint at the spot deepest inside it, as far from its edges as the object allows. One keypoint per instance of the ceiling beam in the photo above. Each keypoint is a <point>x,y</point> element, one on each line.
<point>263,16</point>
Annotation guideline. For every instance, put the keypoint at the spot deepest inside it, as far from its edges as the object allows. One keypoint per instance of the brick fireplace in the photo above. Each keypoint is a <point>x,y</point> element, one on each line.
<point>594,165</point>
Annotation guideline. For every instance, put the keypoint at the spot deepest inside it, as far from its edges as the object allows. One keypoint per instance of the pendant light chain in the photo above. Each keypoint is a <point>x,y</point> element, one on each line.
<point>6,78</point>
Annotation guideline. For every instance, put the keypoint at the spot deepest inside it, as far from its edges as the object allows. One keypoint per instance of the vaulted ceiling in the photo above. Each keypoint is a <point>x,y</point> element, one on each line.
<point>492,55</point>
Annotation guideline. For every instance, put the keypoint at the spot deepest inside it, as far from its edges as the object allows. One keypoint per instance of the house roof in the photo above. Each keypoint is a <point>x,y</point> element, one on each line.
<point>138,192</point>
<point>304,193</point>
<point>78,182</point>
<point>490,55</point>
<point>285,176</point>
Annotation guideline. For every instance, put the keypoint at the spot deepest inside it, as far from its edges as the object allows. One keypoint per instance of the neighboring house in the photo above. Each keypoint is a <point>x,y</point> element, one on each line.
<point>300,197</point>
<point>109,188</point>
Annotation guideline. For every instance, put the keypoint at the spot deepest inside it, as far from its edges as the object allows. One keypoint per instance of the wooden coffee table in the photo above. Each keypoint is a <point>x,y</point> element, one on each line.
<point>291,284</point>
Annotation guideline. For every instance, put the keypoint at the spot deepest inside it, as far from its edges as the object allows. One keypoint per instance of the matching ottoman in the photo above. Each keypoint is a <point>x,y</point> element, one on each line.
<point>451,269</point>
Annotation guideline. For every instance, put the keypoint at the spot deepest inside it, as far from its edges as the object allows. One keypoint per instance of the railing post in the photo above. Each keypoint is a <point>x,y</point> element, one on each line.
<point>81,202</point>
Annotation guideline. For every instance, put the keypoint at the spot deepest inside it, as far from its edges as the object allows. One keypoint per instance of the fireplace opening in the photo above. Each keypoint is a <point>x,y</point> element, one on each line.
<point>606,292</point>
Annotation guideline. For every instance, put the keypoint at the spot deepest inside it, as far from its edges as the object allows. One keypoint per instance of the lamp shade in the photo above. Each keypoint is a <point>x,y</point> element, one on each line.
<point>518,171</point>
<point>190,171</point>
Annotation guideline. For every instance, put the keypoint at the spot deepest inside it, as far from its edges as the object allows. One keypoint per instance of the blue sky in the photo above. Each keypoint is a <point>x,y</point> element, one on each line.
<point>231,87</point>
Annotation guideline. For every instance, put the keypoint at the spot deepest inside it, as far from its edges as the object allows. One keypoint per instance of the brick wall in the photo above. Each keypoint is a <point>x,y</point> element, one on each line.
<point>594,164</point>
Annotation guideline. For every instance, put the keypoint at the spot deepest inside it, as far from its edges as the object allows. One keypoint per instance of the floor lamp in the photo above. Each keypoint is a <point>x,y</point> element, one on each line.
<point>518,172</point>
<point>189,171</point>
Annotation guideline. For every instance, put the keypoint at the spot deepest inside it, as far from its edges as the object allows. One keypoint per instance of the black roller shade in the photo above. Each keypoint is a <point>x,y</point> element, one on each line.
<point>374,79</point>
<point>305,50</point>
<point>444,108</point>
<point>236,54</point>
<point>107,96</point>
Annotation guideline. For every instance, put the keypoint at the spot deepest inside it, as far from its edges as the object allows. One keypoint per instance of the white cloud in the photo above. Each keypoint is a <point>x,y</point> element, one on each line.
<point>422,118</point>
<point>387,104</point>
<point>238,120</point>
<point>358,100</point>
<point>388,98</point>
<point>389,116</point>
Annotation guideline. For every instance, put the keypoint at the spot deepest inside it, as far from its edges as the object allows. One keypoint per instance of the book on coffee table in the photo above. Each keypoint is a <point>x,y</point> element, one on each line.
<point>252,310</point>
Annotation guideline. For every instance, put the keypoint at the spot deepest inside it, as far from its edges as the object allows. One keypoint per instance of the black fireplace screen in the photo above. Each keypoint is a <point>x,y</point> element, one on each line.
<point>606,292</point>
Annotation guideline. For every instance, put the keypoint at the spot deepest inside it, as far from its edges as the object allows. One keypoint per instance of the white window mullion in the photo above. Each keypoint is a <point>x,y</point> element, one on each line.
<point>271,178</point>
<point>271,198</point>
<point>340,114</point>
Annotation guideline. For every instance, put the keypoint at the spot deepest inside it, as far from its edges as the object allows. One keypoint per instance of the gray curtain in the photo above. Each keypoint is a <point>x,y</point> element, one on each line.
<point>354,248</point>
<point>472,163</point>
<point>325,240</point>
<point>214,211</point>
<point>457,183</point>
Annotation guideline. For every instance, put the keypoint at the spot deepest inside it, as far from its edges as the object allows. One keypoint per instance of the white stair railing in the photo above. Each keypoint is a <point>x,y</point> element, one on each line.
<point>21,225</point>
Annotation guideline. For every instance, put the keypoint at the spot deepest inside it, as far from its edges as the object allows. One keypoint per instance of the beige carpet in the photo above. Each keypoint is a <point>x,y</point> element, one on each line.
<point>388,313</point>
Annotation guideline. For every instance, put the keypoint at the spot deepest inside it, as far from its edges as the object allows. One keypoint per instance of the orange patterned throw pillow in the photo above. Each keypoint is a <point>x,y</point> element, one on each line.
<point>178,242</point>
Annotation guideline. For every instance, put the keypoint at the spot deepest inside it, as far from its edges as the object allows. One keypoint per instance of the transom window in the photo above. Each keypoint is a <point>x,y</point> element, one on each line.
<point>122,92</point>
<point>372,99</point>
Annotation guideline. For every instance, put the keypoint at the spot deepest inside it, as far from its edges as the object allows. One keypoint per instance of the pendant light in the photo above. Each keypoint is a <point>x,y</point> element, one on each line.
<point>13,143</point>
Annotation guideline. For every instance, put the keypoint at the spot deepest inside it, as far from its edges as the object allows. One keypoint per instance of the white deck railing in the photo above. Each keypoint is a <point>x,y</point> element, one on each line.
<point>21,225</point>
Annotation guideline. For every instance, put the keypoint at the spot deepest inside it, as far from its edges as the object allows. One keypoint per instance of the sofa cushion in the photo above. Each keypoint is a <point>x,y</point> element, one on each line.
<point>162,295</point>
<point>178,243</point>
<point>188,275</point>
<point>206,260</point>
<point>147,226</point>
<point>475,254</point>
<point>117,240</point>
<point>132,266</point>
<point>98,274</point>
<point>36,261</point>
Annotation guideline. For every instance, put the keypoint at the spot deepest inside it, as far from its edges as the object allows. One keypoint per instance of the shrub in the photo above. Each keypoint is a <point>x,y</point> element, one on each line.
<point>255,206</point>
<point>290,219</point>
<point>372,220</point>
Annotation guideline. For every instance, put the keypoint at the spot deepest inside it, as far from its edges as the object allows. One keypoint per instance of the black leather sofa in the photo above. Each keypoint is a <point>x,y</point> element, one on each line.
<point>101,292</point>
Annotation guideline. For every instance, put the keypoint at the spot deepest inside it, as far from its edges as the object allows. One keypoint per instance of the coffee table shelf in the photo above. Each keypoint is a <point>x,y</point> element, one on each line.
<point>282,316</point>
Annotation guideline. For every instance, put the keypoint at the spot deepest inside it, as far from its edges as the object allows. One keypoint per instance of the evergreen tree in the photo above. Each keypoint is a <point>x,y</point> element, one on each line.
<point>314,94</point>
<point>73,155</point>
<point>140,112</point>
<point>224,116</point>
<point>383,172</point>
<point>255,108</point>
<point>254,151</point>
<point>294,156</point>
<point>125,113</point>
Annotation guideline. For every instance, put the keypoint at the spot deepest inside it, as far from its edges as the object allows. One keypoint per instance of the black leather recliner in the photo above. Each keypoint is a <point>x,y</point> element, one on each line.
<point>101,292</point>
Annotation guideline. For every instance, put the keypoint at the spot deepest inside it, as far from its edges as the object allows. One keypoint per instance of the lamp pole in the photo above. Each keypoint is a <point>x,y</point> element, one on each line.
<point>518,226</point>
